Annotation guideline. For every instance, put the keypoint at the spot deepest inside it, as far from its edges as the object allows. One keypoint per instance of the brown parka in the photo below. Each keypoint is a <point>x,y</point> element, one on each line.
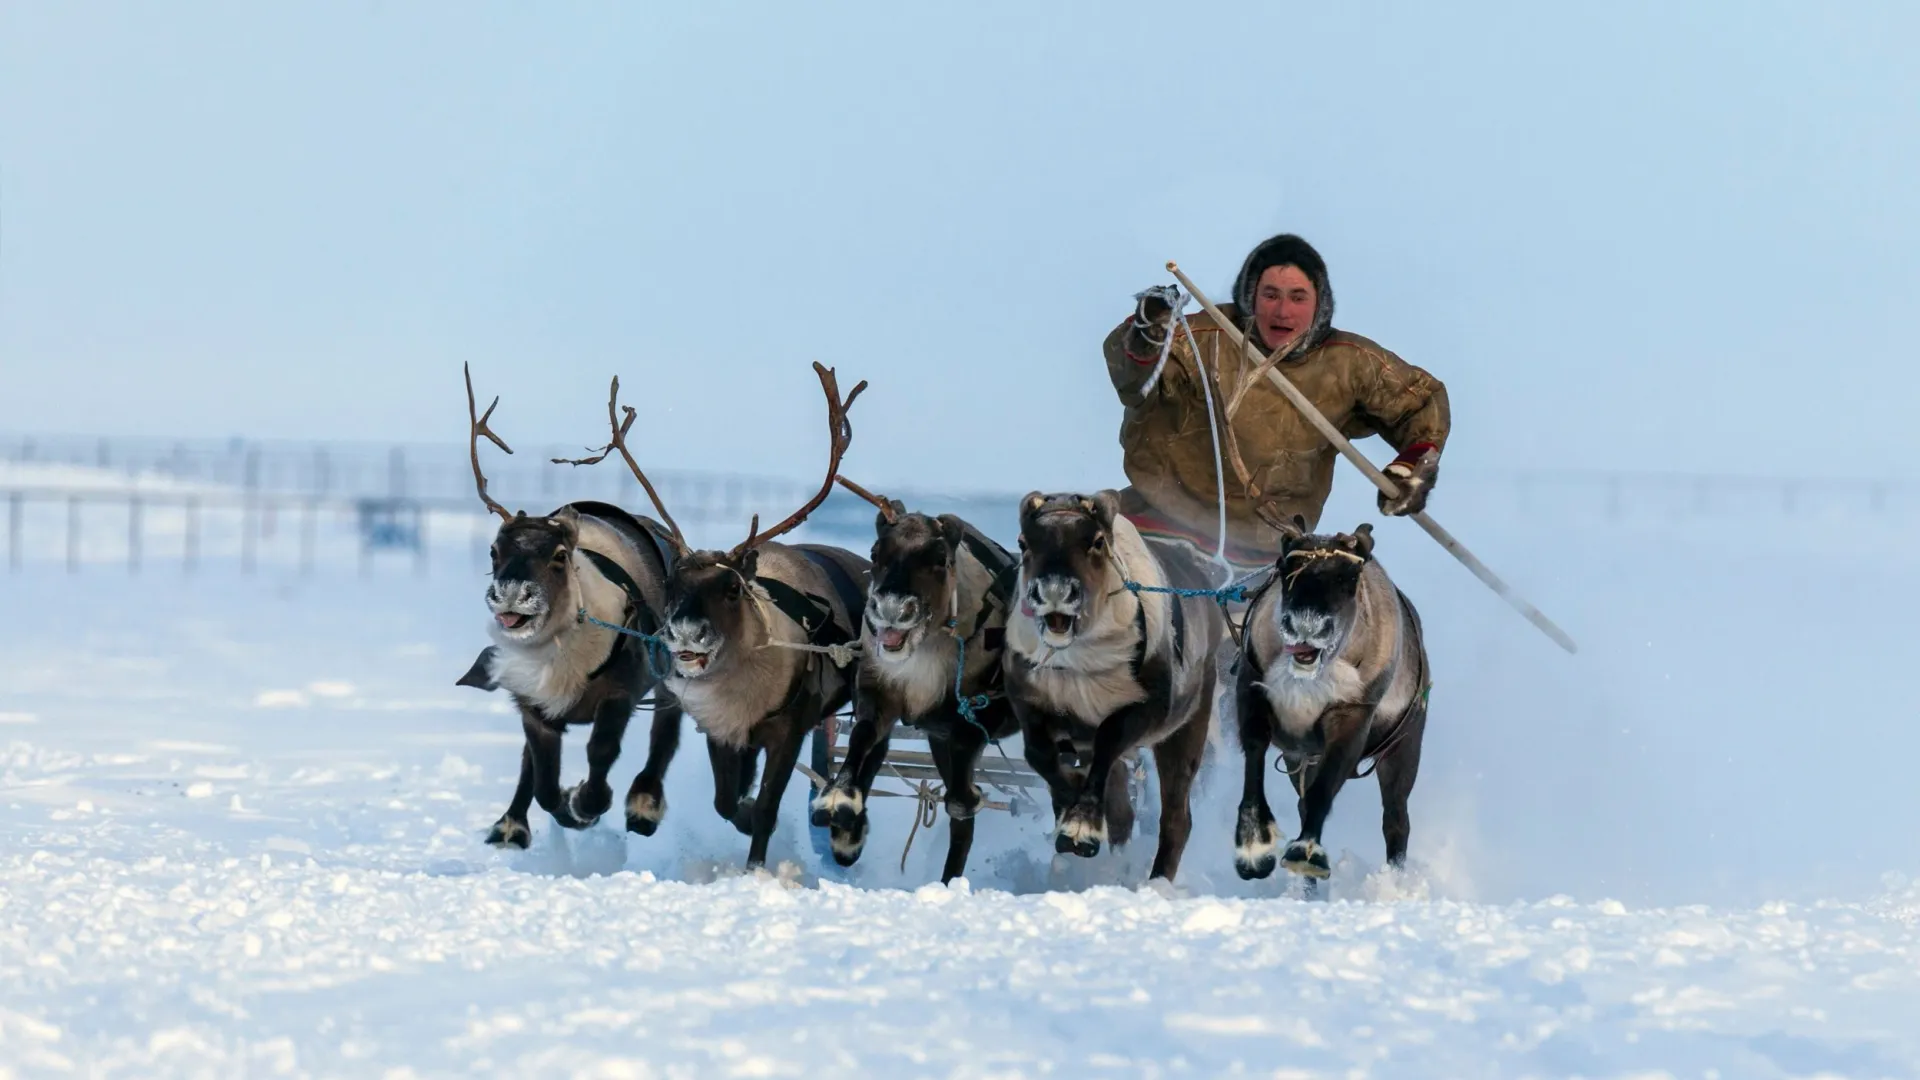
<point>1269,451</point>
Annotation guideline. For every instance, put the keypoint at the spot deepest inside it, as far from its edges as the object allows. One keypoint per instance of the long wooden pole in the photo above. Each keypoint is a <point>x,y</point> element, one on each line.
<point>1380,479</point>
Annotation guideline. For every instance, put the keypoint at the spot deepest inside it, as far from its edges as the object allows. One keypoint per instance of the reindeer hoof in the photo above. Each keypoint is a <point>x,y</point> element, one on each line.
<point>1308,858</point>
<point>845,812</point>
<point>1081,832</point>
<point>510,833</point>
<point>644,813</point>
<point>849,838</point>
<point>743,817</point>
<point>586,804</point>
<point>1256,845</point>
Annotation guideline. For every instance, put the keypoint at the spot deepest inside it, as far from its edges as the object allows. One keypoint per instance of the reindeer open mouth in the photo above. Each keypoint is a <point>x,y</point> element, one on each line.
<point>690,662</point>
<point>517,610</point>
<point>1054,602</point>
<point>1305,657</point>
<point>892,639</point>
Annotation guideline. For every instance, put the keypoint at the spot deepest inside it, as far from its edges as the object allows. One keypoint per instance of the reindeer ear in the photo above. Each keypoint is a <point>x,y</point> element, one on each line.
<point>1033,502</point>
<point>953,531</point>
<point>750,564</point>
<point>1363,541</point>
<point>1106,507</point>
<point>882,521</point>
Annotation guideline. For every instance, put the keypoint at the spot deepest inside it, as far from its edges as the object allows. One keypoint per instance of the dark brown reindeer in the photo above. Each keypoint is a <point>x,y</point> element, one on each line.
<point>937,609</point>
<point>1335,672</point>
<point>558,582</point>
<point>751,635</point>
<point>1096,669</point>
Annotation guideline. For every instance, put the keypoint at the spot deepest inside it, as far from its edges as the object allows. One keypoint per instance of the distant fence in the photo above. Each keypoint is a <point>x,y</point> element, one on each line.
<point>149,502</point>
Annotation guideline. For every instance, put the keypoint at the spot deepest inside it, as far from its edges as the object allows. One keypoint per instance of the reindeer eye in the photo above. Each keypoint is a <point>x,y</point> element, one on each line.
<point>1023,541</point>
<point>1100,541</point>
<point>559,554</point>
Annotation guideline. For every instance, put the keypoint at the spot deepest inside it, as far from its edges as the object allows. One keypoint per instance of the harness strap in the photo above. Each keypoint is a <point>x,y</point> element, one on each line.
<point>1003,569</point>
<point>813,613</point>
<point>852,596</point>
<point>995,558</point>
<point>1178,613</point>
<point>638,615</point>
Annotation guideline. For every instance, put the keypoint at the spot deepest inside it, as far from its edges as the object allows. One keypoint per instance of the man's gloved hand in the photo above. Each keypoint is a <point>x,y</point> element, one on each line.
<point>1413,472</point>
<point>1153,311</point>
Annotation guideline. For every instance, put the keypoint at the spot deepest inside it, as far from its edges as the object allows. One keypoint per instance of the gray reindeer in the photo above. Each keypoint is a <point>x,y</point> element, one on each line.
<point>751,635</point>
<point>560,584</point>
<point>930,656</point>
<point>1100,663</point>
<point>1334,672</point>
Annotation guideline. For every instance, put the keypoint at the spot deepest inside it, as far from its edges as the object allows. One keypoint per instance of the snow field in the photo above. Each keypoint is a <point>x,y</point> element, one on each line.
<point>243,818</point>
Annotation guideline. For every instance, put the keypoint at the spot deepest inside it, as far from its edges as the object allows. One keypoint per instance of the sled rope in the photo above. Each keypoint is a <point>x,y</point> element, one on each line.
<point>841,655</point>
<point>659,659</point>
<point>1213,421</point>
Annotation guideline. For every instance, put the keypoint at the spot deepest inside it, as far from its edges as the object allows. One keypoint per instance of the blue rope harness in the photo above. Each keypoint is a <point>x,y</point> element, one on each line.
<point>655,643</point>
<point>1230,594</point>
<point>969,707</point>
<point>1234,592</point>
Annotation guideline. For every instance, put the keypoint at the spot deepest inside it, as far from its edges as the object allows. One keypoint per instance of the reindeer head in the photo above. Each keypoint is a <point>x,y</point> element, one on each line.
<point>914,580</point>
<point>1319,592</point>
<point>531,555</point>
<point>712,610</point>
<point>531,592</point>
<point>1066,562</point>
<point>713,604</point>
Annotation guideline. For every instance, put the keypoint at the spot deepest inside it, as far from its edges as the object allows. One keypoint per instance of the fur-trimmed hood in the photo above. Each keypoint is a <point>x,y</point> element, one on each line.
<point>1287,250</point>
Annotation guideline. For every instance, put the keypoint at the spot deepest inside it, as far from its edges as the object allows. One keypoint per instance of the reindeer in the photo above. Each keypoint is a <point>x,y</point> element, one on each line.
<point>1098,664</point>
<point>934,627</point>
<point>756,637</point>
<point>560,583</point>
<point>1334,672</point>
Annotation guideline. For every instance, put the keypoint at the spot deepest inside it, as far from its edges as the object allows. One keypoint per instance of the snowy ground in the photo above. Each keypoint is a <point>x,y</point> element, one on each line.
<point>242,822</point>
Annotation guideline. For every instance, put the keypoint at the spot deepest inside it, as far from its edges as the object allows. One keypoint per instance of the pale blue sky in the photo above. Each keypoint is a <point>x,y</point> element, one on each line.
<point>1633,235</point>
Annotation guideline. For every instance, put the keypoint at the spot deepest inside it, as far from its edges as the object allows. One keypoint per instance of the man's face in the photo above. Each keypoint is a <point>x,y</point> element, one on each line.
<point>1283,303</point>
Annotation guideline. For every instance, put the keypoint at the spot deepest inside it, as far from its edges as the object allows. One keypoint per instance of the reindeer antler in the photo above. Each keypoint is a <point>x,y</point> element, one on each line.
<point>886,508</point>
<point>619,442</point>
<point>840,434</point>
<point>477,428</point>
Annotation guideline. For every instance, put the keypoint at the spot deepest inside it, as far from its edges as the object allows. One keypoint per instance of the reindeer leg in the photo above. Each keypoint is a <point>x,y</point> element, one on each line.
<point>782,754</point>
<point>1346,728</point>
<point>1256,837</point>
<point>955,757</point>
<point>743,810</point>
<point>592,797</point>
<point>543,743</point>
<point>1043,754</point>
<point>647,798</point>
<point>844,803</point>
<point>1083,827</point>
<point>1119,803</point>
<point>732,776</point>
<point>1397,769</point>
<point>512,829</point>
<point>1177,760</point>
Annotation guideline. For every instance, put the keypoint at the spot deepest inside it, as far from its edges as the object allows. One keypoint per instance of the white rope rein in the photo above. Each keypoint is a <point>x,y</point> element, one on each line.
<point>1213,421</point>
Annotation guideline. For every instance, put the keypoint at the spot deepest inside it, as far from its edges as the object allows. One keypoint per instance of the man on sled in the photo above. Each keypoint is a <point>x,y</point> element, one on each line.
<point>1269,453</point>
